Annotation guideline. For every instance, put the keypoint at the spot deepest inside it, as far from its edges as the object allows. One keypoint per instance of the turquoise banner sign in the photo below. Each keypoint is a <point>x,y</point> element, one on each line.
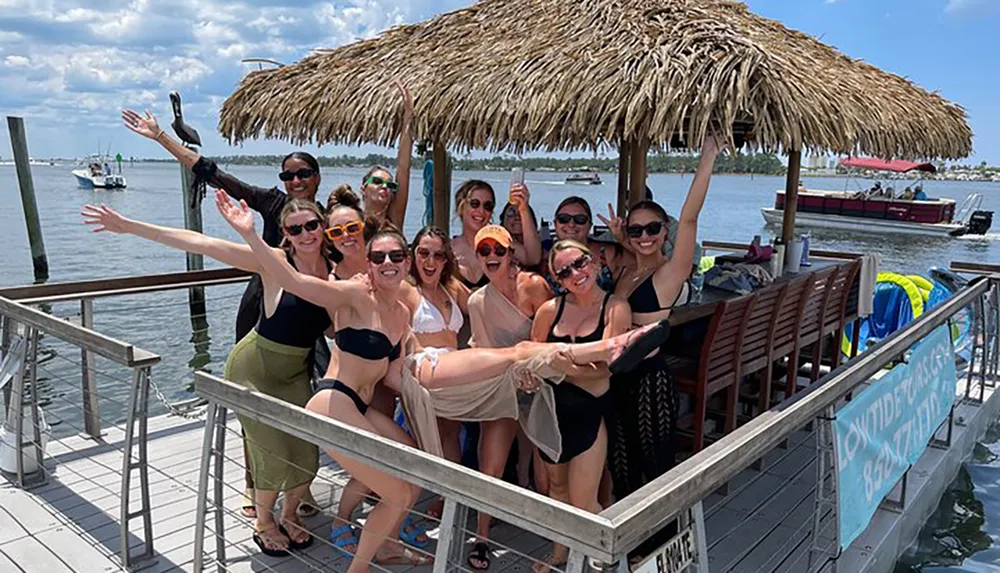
<point>886,427</point>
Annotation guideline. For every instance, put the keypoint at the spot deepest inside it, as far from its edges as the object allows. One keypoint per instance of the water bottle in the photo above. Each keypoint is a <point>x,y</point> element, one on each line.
<point>545,234</point>
<point>805,250</point>
<point>697,284</point>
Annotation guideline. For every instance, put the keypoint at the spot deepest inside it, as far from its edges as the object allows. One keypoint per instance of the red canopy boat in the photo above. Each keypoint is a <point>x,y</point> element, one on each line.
<point>884,209</point>
<point>895,165</point>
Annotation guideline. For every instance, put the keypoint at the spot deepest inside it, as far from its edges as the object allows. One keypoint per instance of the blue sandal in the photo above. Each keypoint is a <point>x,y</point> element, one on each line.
<point>343,537</point>
<point>414,533</point>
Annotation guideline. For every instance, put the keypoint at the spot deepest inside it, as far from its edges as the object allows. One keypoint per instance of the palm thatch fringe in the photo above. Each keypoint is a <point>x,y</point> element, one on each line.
<point>568,74</point>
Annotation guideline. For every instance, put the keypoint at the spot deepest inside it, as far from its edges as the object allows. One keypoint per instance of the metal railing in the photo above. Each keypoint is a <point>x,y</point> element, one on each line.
<point>611,535</point>
<point>22,327</point>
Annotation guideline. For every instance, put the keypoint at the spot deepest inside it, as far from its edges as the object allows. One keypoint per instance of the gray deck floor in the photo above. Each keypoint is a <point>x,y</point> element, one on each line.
<point>70,524</point>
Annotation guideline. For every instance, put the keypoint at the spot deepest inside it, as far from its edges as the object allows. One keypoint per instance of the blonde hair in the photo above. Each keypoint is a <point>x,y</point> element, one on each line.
<point>564,245</point>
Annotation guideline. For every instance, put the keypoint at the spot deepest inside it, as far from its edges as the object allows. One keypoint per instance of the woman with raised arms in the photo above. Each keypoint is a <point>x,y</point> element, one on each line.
<point>272,358</point>
<point>373,325</point>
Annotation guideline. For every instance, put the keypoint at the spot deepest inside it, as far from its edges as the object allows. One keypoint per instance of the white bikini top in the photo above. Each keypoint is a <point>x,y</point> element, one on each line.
<point>427,319</point>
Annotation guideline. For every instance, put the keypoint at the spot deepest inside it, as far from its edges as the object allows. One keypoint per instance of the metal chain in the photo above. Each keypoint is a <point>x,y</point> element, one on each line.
<point>187,414</point>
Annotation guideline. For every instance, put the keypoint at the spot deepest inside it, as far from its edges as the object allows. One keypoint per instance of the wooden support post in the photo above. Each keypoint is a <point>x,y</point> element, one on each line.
<point>624,165</point>
<point>791,195</point>
<point>19,144</point>
<point>442,187</point>
<point>637,174</point>
<point>88,382</point>
<point>192,216</point>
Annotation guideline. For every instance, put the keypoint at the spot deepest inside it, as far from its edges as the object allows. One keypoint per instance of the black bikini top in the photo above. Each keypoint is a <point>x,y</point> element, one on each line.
<point>644,300</point>
<point>295,322</point>
<point>594,336</point>
<point>366,343</point>
<point>483,281</point>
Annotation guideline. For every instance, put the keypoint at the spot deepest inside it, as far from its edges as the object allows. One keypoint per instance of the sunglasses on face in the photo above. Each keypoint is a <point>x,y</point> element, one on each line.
<point>379,182</point>
<point>486,205</point>
<point>652,229</point>
<point>438,256</point>
<point>579,264</point>
<point>487,250</point>
<point>338,231</point>
<point>302,174</point>
<point>565,218</point>
<point>395,256</point>
<point>308,226</point>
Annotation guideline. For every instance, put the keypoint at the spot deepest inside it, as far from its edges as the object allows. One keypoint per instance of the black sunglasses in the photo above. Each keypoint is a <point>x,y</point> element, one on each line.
<point>379,182</point>
<point>438,256</point>
<point>579,219</point>
<point>485,250</point>
<point>304,173</point>
<point>488,206</point>
<point>309,226</point>
<point>578,264</point>
<point>652,229</point>
<point>395,255</point>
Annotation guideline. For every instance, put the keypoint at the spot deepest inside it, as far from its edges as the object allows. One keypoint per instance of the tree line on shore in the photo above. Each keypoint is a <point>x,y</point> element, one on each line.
<point>755,163</point>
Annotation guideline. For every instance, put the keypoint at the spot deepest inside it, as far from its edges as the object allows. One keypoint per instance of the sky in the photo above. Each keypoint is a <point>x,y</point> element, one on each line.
<point>69,66</point>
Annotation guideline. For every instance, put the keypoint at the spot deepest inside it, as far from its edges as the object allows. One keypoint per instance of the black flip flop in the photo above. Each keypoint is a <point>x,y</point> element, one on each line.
<point>640,348</point>
<point>295,545</point>
<point>263,546</point>
<point>480,552</point>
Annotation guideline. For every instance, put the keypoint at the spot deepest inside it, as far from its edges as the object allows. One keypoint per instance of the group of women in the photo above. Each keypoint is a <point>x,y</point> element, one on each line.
<point>543,322</point>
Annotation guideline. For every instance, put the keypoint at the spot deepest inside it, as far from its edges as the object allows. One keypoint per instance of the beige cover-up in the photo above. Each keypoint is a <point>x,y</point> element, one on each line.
<point>496,323</point>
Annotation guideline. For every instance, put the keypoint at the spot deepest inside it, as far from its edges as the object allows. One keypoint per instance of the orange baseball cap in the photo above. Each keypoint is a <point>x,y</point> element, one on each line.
<point>495,232</point>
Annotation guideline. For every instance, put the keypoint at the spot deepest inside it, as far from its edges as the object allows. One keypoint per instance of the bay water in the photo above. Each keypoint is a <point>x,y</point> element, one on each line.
<point>962,536</point>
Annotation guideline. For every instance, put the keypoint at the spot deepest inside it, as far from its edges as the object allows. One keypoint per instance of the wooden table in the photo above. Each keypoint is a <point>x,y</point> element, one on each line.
<point>711,296</point>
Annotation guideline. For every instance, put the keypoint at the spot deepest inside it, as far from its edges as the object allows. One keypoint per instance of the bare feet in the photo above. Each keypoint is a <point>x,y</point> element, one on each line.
<point>549,563</point>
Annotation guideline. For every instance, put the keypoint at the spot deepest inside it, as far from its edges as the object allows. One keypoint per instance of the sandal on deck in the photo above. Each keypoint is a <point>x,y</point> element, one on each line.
<point>548,563</point>
<point>264,538</point>
<point>407,557</point>
<point>307,507</point>
<point>343,538</point>
<point>292,543</point>
<point>642,344</point>
<point>413,533</point>
<point>481,553</point>
<point>249,510</point>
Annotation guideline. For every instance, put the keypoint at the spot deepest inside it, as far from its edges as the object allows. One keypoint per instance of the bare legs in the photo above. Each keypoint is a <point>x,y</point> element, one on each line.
<point>396,496</point>
<point>577,483</point>
<point>495,440</point>
<point>476,364</point>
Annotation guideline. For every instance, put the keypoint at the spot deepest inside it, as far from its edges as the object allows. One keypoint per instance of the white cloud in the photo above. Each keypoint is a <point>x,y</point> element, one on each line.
<point>60,57</point>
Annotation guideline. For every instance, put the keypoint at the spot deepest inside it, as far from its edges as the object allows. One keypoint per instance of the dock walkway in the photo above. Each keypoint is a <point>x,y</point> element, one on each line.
<point>70,524</point>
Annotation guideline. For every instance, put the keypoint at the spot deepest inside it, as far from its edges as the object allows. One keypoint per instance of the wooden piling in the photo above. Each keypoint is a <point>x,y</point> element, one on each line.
<point>442,186</point>
<point>624,162</point>
<point>637,176</point>
<point>19,144</point>
<point>791,196</point>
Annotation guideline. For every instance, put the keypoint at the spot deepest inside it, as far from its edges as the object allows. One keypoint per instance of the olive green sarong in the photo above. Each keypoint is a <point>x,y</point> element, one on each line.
<point>279,462</point>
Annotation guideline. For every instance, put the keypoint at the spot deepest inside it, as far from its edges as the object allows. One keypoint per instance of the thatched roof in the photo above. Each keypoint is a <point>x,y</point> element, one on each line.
<point>569,74</point>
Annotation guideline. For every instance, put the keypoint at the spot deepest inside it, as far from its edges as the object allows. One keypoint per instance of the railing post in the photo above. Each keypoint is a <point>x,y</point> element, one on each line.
<point>201,510</point>
<point>138,413</point>
<point>91,405</point>
<point>25,378</point>
<point>449,547</point>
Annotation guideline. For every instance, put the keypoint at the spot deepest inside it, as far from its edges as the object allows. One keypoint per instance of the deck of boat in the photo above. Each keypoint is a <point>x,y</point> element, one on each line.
<point>70,524</point>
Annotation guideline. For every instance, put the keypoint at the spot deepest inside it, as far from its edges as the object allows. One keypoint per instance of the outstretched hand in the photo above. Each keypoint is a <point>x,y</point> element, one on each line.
<point>713,144</point>
<point>104,219</point>
<point>239,217</point>
<point>144,126</point>
<point>615,224</point>
<point>407,102</point>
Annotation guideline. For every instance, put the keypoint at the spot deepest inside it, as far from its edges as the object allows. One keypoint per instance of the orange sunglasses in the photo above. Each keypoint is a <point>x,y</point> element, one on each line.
<point>338,231</point>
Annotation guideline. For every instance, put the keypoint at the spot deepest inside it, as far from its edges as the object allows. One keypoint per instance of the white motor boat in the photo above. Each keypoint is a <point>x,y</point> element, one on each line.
<point>93,177</point>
